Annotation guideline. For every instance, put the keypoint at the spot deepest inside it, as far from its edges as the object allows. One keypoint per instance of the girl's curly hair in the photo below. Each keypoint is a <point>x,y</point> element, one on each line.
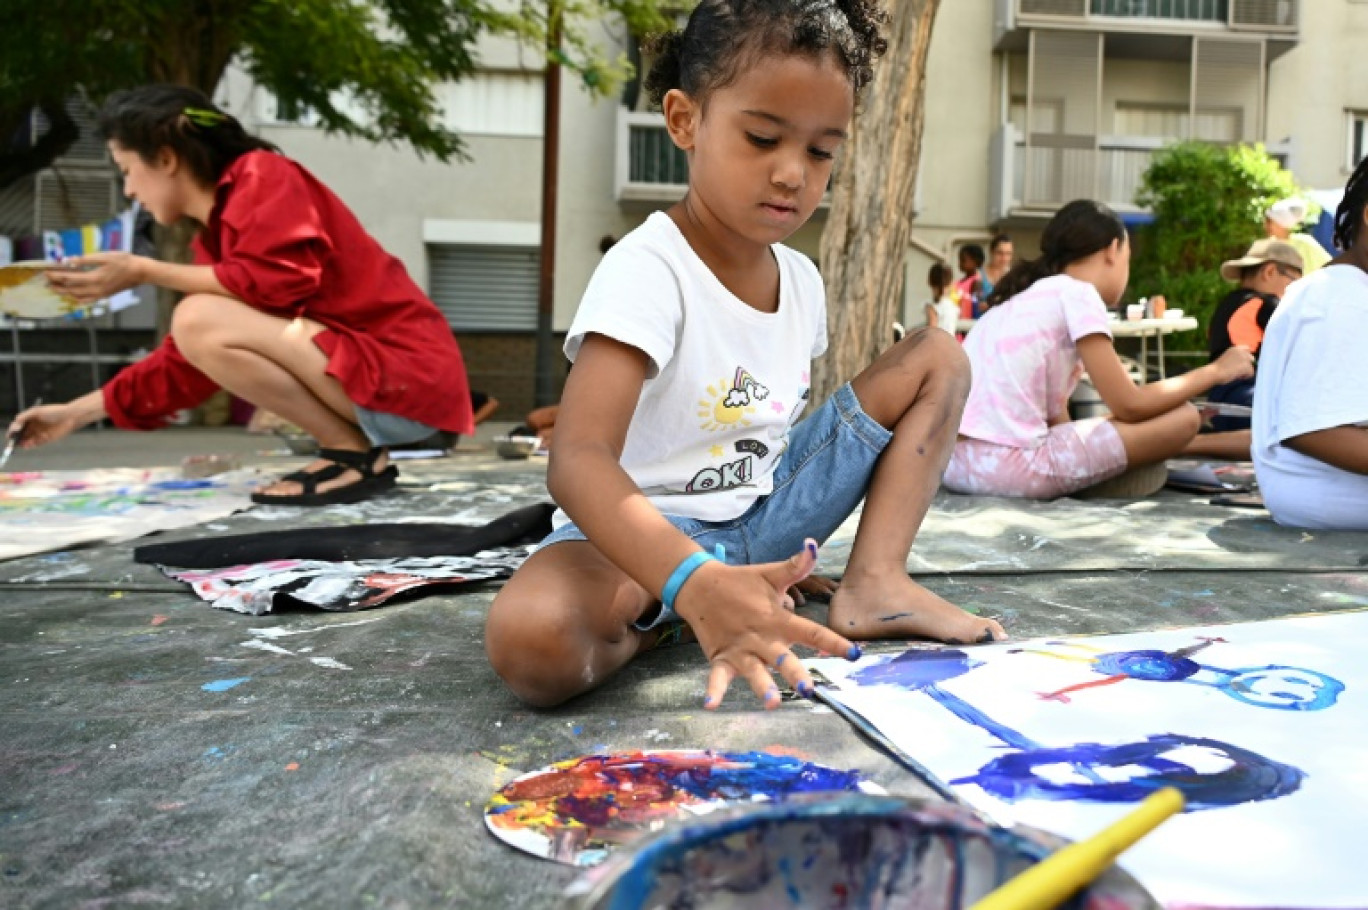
<point>722,37</point>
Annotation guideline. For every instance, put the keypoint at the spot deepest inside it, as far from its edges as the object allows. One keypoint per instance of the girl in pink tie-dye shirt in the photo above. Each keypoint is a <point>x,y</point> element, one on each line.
<point>1046,324</point>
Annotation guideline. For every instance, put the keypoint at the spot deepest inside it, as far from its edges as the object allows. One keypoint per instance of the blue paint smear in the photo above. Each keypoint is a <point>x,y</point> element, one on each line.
<point>913,670</point>
<point>1249,778</point>
<point>1154,666</point>
<point>223,685</point>
<point>970,714</point>
<point>182,484</point>
<point>1283,688</point>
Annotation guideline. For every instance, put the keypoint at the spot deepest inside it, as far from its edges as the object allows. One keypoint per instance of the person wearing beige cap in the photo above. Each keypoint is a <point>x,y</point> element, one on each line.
<point>1263,274</point>
<point>1281,222</point>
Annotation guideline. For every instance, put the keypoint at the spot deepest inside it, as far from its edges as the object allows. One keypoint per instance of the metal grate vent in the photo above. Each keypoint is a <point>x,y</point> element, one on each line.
<point>485,288</point>
<point>70,198</point>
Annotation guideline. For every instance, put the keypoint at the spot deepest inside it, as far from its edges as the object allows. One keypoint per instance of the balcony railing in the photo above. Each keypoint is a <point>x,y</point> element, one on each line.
<point>1269,16</point>
<point>1110,172</point>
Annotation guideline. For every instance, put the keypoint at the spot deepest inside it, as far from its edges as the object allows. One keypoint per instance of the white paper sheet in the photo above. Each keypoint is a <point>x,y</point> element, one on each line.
<point>1274,709</point>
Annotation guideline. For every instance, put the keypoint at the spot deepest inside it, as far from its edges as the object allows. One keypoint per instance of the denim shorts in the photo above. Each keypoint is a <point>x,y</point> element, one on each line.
<point>390,429</point>
<point>818,482</point>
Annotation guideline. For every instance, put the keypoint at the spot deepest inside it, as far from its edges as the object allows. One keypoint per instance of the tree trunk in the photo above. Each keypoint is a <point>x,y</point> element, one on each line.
<point>864,244</point>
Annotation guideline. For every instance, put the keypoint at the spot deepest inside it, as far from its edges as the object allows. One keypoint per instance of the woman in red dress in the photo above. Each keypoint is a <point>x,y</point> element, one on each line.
<point>289,304</point>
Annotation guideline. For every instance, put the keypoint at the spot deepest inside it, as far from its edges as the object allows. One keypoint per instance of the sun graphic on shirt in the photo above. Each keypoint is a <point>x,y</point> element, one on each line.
<point>722,409</point>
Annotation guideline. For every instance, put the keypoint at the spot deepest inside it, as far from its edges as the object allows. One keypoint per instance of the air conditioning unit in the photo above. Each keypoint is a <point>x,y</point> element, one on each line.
<point>1264,14</point>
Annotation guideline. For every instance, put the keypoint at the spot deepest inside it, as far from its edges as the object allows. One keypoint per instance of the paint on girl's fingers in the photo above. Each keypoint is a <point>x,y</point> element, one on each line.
<point>804,688</point>
<point>812,548</point>
<point>779,661</point>
<point>986,637</point>
<point>892,616</point>
<point>771,695</point>
<point>855,652</point>
<point>710,702</point>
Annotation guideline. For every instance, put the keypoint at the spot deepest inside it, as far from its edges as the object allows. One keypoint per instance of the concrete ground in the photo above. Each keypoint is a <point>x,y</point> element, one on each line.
<point>124,782</point>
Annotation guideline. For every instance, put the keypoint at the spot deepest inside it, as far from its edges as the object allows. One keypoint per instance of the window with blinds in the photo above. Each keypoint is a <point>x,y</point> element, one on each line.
<point>485,288</point>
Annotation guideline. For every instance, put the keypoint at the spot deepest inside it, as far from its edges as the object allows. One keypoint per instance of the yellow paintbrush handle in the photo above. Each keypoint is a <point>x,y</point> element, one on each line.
<point>1051,881</point>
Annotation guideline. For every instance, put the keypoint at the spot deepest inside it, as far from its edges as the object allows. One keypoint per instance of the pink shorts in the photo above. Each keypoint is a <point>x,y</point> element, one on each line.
<point>1075,455</point>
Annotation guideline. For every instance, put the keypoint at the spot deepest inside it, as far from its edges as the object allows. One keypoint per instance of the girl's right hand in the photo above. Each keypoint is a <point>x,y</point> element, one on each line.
<point>743,618</point>
<point>47,423</point>
<point>1236,363</point>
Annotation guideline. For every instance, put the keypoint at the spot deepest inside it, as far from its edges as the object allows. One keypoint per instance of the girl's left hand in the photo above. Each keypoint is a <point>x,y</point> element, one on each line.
<point>97,275</point>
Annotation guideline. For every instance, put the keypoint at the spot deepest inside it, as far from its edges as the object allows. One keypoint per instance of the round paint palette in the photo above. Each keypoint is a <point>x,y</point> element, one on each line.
<point>25,292</point>
<point>575,811</point>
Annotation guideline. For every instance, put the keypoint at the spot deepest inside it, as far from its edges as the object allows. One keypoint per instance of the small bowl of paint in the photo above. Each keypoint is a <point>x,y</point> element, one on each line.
<point>833,850</point>
<point>515,446</point>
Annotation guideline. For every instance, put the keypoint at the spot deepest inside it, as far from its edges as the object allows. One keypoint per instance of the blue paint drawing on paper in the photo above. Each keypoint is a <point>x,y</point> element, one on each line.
<point>1210,773</point>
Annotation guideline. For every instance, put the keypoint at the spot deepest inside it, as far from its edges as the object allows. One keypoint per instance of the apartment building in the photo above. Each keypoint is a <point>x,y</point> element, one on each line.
<point>1029,103</point>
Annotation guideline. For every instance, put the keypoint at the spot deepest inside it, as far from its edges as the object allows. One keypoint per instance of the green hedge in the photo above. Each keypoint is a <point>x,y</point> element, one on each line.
<point>1208,203</point>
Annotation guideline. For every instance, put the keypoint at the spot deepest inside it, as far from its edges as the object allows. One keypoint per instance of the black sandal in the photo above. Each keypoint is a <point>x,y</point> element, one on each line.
<point>343,460</point>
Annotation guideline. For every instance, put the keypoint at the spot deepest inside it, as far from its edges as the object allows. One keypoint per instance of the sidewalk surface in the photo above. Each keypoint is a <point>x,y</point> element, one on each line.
<point>125,782</point>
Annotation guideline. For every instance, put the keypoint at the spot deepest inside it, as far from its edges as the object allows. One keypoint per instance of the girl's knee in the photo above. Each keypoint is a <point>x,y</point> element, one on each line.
<point>939,355</point>
<point>1188,421</point>
<point>537,649</point>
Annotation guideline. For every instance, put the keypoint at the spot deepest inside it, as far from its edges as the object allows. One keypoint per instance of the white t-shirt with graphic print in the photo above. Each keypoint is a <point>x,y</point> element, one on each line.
<point>725,382</point>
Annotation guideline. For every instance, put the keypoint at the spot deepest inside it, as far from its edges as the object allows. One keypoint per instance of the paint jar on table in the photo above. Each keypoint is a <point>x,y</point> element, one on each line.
<point>833,850</point>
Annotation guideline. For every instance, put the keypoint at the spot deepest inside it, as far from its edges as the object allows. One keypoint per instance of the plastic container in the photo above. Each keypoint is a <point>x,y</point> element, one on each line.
<point>833,850</point>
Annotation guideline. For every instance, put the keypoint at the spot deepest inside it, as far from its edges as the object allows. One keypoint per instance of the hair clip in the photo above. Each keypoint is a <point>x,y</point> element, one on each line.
<point>201,117</point>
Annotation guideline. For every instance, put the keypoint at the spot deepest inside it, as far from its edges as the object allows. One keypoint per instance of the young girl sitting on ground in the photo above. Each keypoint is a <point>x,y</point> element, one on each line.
<point>691,353</point>
<point>1311,400</point>
<point>1047,322</point>
<point>290,304</point>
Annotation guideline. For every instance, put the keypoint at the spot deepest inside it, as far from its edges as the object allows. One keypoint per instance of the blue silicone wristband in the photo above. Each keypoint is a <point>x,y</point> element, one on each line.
<point>681,574</point>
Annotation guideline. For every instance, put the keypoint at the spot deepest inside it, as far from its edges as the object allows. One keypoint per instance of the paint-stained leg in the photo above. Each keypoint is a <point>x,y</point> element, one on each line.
<point>917,389</point>
<point>563,624</point>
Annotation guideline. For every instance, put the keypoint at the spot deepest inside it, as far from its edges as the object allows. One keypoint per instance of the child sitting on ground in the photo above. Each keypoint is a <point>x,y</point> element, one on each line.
<point>1311,401</point>
<point>1047,322</point>
<point>692,349</point>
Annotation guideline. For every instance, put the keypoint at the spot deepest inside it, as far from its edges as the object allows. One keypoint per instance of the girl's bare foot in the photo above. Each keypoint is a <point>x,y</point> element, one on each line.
<point>892,605</point>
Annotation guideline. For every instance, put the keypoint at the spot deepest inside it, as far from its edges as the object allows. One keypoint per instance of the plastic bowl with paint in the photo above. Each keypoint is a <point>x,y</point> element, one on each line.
<point>515,446</point>
<point>833,850</point>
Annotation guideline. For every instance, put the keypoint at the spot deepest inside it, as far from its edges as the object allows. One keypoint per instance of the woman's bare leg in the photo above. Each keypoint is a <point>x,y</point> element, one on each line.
<point>273,363</point>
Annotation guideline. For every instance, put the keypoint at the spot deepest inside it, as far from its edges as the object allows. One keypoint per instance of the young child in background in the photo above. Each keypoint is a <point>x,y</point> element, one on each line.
<point>1047,322</point>
<point>969,290</point>
<point>1311,401</point>
<point>692,349</point>
<point>942,312</point>
<point>290,305</point>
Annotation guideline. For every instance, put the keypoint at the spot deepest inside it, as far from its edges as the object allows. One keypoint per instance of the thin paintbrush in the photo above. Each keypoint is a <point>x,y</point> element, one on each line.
<point>14,437</point>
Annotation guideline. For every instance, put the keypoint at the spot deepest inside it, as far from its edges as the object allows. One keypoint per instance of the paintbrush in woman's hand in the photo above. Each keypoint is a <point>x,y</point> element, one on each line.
<point>13,438</point>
